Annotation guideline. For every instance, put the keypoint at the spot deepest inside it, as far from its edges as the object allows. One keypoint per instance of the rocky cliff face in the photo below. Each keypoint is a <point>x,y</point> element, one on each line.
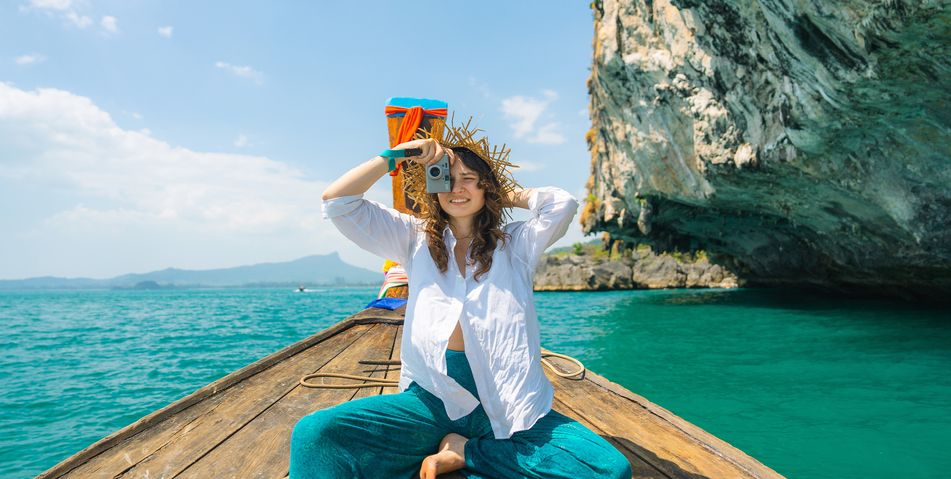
<point>796,141</point>
<point>640,269</point>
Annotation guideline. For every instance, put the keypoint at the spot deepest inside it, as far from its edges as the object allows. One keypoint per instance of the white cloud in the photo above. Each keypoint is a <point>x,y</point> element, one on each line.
<point>166,31</point>
<point>29,59</point>
<point>109,24</point>
<point>242,71</point>
<point>547,134</point>
<point>525,113</point>
<point>79,145</point>
<point>242,141</point>
<point>122,183</point>
<point>51,4</point>
<point>64,9</point>
<point>81,21</point>
<point>528,166</point>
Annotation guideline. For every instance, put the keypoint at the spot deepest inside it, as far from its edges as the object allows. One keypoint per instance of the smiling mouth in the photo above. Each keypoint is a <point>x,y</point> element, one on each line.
<point>458,202</point>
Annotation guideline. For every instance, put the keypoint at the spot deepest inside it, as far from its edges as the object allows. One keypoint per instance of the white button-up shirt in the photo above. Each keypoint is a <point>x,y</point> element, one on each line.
<point>496,313</point>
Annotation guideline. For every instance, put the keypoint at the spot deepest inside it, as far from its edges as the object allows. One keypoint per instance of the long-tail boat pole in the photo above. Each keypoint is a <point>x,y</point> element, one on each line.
<point>404,118</point>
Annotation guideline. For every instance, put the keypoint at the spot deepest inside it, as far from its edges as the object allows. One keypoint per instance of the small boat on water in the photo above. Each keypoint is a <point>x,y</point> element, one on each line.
<point>240,425</point>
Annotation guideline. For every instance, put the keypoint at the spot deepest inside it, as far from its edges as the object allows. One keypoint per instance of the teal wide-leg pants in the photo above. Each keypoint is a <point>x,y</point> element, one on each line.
<point>388,436</point>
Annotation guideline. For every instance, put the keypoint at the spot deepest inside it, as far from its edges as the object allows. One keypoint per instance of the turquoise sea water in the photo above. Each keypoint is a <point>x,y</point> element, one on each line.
<point>814,387</point>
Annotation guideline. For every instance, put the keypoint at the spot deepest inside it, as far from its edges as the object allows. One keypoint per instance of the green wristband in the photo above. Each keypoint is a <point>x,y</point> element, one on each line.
<point>392,155</point>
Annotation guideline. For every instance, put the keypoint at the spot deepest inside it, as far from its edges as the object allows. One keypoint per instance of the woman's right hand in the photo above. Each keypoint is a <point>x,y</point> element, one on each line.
<point>432,151</point>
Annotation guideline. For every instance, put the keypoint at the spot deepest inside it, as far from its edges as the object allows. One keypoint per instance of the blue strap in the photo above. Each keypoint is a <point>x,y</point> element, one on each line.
<point>393,153</point>
<point>401,153</point>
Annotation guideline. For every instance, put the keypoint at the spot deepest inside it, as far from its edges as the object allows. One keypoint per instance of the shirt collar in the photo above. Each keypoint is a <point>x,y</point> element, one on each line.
<point>447,233</point>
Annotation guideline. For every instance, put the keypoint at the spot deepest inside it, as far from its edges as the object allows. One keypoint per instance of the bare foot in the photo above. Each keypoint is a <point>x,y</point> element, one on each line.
<point>451,457</point>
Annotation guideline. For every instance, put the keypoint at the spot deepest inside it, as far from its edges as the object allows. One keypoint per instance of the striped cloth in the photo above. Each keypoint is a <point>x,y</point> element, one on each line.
<point>395,276</point>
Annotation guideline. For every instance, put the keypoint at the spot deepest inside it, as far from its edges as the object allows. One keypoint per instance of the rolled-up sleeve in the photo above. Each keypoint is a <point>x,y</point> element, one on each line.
<point>377,229</point>
<point>552,211</point>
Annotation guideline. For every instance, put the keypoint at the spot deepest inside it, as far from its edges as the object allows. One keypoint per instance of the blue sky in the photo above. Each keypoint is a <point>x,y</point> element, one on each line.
<point>140,135</point>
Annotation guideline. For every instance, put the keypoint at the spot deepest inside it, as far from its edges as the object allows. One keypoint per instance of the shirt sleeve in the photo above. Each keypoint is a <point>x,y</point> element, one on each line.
<point>552,211</point>
<point>382,231</point>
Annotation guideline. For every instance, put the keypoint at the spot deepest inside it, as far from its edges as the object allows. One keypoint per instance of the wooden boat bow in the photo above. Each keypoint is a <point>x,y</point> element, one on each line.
<point>240,425</point>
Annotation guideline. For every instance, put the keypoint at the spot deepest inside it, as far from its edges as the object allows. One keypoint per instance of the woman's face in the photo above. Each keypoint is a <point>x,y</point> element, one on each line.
<point>466,198</point>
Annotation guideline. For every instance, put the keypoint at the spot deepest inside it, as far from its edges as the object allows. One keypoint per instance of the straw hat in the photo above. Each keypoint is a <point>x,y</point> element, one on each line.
<point>463,135</point>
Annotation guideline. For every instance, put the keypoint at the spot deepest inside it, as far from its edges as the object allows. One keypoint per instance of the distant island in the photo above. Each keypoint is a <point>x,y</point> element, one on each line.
<point>580,267</point>
<point>316,270</point>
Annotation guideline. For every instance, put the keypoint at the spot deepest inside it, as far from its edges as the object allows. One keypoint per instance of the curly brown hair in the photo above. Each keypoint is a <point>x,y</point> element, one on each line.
<point>488,222</point>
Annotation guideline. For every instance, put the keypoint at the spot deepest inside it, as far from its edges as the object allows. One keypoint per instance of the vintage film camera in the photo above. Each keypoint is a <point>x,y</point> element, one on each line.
<point>437,176</point>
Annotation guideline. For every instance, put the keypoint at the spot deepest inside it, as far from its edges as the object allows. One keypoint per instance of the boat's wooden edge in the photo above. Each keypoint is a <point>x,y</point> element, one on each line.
<point>701,437</point>
<point>366,316</point>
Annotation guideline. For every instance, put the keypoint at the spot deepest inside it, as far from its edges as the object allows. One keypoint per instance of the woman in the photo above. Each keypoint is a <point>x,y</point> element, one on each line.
<point>473,393</point>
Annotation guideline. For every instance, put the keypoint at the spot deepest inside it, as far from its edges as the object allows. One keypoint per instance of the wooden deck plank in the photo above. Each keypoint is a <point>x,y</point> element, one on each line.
<point>394,371</point>
<point>127,453</point>
<point>242,403</point>
<point>377,371</point>
<point>654,439</point>
<point>264,444</point>
<point>148,441</point>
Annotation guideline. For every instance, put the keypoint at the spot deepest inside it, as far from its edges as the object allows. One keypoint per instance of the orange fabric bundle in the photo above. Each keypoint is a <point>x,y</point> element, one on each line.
<point>413,117</point>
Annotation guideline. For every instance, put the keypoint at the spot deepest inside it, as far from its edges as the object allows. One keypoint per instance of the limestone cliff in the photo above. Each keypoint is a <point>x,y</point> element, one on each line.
<point>796,141</point>
<point>634,269</point>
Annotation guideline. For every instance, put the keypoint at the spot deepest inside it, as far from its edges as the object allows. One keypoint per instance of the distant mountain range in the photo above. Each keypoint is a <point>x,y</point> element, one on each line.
<point>311,270</point>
